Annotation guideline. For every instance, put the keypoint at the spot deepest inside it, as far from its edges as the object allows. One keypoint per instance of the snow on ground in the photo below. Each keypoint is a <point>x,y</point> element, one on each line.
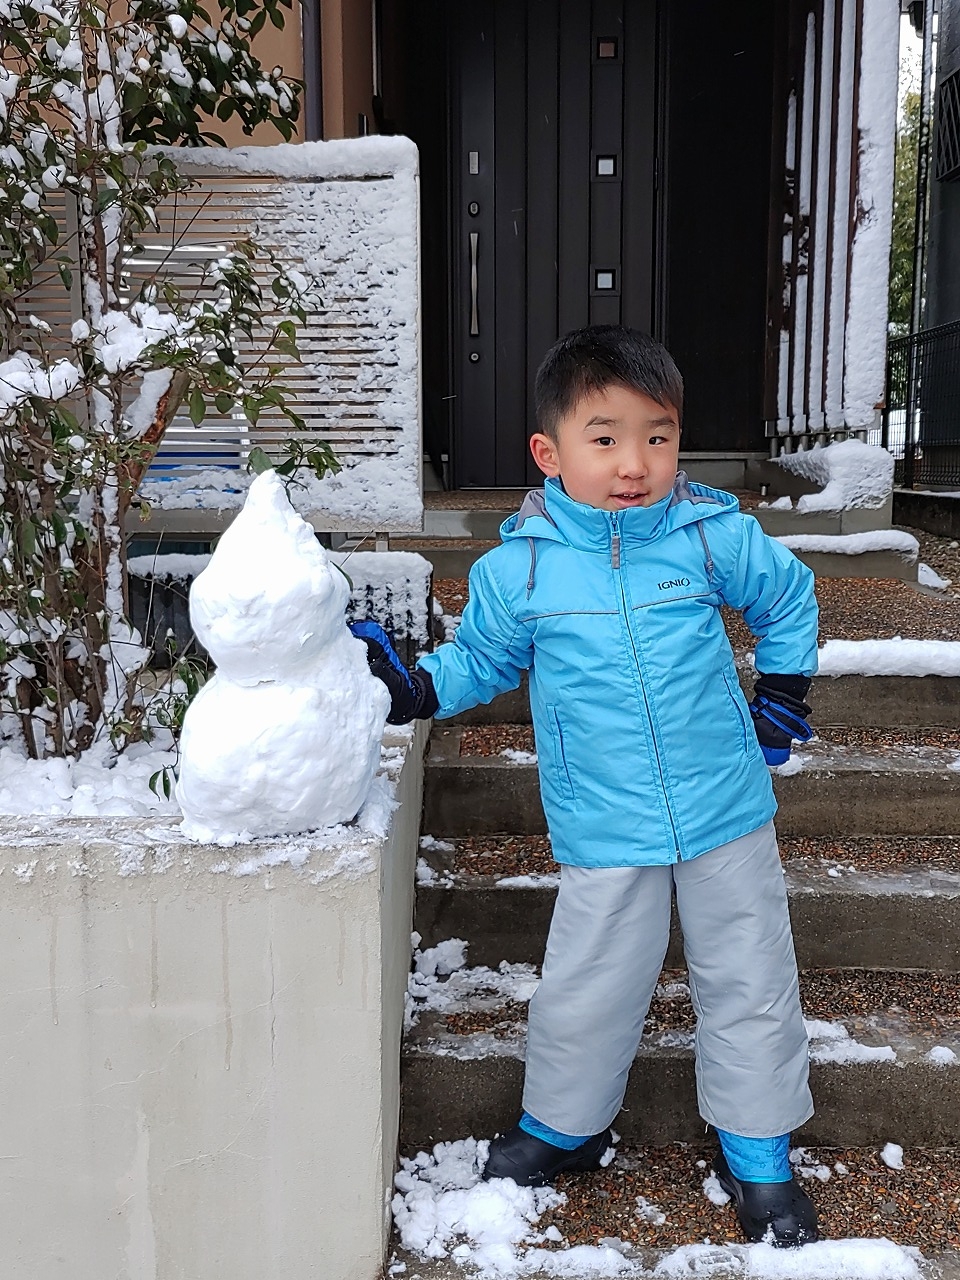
<point>443,1210</point>
<point>928,577</point>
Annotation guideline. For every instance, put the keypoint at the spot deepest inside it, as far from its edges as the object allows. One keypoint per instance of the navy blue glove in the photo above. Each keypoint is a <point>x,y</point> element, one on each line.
<point>779,715</point>
<point>412,695</point>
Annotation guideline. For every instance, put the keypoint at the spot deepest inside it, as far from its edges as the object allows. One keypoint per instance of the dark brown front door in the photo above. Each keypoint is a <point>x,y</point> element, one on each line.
<point>553,194</point>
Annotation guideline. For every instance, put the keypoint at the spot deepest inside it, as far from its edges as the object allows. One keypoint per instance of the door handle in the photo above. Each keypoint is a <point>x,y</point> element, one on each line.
<point>474,283</point>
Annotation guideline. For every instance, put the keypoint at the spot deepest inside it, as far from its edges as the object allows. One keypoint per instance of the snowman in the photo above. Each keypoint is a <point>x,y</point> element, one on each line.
<point>286,735</point>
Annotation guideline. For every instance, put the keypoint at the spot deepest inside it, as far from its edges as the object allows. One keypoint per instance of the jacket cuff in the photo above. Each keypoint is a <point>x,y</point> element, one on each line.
<point>793,686</point>
<point>426,701</point>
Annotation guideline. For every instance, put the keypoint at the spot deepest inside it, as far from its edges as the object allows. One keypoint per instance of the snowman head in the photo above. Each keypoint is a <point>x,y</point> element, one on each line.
<point>270,602</point>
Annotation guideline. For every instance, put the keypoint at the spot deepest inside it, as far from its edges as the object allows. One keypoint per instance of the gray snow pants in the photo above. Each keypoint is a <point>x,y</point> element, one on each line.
<point>607,942</point>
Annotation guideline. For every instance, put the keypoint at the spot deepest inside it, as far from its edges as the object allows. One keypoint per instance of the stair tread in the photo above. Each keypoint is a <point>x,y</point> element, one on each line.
<point>654,1198</point>
<point>490,859</point>
<point>909,752</point>
<point>853,1015</point>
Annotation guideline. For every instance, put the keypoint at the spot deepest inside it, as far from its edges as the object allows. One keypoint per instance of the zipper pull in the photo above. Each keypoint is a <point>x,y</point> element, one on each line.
<point>615,546</point>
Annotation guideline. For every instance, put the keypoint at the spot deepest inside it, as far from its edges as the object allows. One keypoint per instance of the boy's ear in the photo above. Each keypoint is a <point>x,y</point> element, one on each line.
<point>545,454</point>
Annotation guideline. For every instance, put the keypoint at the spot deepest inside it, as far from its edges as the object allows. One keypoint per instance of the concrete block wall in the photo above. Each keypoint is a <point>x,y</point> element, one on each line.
<point>200,1068</point>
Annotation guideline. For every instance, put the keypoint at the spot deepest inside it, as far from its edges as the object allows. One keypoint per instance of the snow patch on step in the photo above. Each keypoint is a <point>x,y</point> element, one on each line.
<point>879,1259</point>
<point>832,1042</point>
<point>442,1210</point>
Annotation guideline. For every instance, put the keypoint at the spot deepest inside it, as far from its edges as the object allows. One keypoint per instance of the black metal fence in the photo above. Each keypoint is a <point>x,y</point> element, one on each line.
<point>921,421</point>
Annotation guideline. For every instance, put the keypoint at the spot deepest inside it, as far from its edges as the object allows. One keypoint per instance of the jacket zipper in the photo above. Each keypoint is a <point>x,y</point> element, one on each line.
<point>615,562</point>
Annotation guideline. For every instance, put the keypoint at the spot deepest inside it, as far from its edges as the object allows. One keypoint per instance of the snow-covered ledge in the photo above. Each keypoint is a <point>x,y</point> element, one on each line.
<point>201,1046</point>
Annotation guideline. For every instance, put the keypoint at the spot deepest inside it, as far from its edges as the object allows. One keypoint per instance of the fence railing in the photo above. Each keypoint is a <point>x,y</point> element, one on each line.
<point>921,420</point>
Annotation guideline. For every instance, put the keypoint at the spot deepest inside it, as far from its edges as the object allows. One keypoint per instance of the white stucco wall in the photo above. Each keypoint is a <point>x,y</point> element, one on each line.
<point>200,1069</point>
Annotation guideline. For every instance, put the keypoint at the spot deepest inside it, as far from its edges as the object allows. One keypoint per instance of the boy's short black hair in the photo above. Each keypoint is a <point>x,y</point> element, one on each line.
<point>603,355</point>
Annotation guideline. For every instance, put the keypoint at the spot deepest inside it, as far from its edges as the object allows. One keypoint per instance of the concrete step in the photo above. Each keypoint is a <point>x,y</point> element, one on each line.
<point>650,1202</point>
<point>905,918</point>
<point>885,1059</point>
<point>837,791</point>
<point>850,700</point>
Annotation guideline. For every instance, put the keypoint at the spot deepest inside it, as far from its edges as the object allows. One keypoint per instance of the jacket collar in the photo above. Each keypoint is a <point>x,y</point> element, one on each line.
<point>551,513</point>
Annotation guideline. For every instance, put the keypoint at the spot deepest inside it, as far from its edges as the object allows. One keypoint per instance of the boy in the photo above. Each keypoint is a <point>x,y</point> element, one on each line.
<point>653,769</point>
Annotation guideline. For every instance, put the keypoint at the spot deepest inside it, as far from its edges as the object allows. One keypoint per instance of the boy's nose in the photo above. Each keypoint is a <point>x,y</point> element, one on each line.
<point>633,466</point>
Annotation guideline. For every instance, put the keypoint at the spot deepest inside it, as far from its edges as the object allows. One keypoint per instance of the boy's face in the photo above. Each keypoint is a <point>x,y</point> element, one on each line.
<point>616,449</point>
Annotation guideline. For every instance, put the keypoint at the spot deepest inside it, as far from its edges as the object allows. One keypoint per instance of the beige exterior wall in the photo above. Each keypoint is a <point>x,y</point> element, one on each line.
<point>346,37</point>
<point>274,49</point>
<point>200,1071</point>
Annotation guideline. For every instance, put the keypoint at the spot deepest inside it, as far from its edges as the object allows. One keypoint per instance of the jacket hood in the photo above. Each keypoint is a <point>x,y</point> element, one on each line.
<point>552,514</point>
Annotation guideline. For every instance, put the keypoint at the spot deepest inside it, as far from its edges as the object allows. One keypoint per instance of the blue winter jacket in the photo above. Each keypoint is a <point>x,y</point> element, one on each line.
<point>645,742</point>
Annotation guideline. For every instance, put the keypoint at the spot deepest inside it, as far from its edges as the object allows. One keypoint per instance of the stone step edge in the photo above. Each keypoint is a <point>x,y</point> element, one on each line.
<point>803,876</point>
<point>814,758</point>
<point>650,1262</point>
<point>893,1044</point>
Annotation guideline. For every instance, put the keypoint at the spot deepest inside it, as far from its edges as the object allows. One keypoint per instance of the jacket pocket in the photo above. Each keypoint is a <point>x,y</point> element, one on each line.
<point>564,778</point>
<point>746,729</point>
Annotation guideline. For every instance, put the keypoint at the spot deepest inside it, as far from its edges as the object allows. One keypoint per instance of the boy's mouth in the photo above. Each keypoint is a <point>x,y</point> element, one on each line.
<point>629,499</point>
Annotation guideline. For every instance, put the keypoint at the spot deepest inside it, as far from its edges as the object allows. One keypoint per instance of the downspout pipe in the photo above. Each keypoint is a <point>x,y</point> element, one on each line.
<point>923,170</point>
<point>312,72</point>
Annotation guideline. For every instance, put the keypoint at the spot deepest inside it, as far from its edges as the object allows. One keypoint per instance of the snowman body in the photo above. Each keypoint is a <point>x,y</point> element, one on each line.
<point>286,735</point>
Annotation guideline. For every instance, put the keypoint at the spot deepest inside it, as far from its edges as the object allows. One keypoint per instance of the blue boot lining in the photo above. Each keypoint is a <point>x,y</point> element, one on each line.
<point>536,1129</point>
<point>757,1159</point>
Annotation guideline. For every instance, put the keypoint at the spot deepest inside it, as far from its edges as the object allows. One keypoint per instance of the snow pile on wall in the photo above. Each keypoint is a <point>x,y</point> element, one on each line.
<point>889,658</point>
<point>855,544</point>
<point>286,736</point>
<point>851,474</point>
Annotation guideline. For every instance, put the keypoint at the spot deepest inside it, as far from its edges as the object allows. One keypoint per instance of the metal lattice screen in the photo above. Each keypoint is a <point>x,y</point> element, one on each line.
<point>948,129</point>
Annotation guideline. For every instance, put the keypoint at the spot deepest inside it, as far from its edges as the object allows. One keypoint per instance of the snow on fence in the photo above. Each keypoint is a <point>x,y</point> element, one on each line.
<point>344,214</point>
<point>392,587</point>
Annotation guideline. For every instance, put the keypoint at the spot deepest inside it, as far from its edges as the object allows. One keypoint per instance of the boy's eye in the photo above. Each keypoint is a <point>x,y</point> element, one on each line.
<point>605,440</point>
<point>657,439</point>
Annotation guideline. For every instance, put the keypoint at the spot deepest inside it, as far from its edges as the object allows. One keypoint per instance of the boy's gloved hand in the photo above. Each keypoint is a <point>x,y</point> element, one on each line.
<point>412,695</point>
<point>779,715</point>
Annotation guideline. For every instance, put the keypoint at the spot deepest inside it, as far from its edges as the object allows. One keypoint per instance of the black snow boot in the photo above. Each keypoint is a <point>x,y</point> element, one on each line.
<point>781,1213</point>
<point>531,1162</point>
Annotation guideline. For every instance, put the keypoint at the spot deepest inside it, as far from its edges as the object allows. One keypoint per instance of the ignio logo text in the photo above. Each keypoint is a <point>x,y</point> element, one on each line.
<point>674,582</point>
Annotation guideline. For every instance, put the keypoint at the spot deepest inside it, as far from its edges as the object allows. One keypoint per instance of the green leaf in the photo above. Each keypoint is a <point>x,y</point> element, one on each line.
<point>258,462</point>
<point>224,402</point>
<point>28,538</point>
<point>62,36</point>
<point>107,196</point>
<point>344,572</point>
<point>66,275</point>
<point>198,407</point>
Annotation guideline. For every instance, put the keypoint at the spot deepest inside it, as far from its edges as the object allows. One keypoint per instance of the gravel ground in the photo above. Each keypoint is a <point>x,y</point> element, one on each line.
<point>473,499</point>
<point>451,594</point>
<point>417,542</point>
<point>850,608</point>
<point>918,1205</point>
<point>530,855</point>
<point>492,739</point>
<point>930,1001</point>
<point>504,856</point>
